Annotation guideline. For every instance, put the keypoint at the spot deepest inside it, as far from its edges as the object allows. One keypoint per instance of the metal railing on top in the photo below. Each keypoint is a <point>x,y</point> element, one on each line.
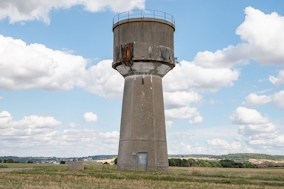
<point>144,14</point>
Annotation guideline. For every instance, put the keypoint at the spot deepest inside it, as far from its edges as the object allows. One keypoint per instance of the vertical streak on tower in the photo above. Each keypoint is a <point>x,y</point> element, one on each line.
<point>143,54</point>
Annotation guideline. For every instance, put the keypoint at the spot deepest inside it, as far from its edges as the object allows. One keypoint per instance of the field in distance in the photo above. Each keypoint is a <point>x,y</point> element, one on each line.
<point>106,176</point>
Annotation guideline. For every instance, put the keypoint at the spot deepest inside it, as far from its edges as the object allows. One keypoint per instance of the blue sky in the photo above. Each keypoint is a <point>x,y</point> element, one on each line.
<point>59,95</point>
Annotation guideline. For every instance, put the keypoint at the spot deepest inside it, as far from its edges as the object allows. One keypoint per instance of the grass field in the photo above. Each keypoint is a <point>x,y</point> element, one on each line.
<point>106,176</point>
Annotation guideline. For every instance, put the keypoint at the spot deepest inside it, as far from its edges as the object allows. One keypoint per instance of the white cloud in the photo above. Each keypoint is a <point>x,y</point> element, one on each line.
<point>196,120</point>
<point>18,10</point>
<point>224,58</point>
<point>5,117</point>
<point>180,98</point>
<point>279,79</point>
<point>73,125</point>
<point>90,117</point>
<point>278,99</point>
<point>263,41</point>
<point>28,125</point>
<point>264,35</point>
<point>1,98</point>
<point>243,115</point>
<point>54,70</point>
<point>220,146</point>
<point>40,136</point>
<point>103,80</point>
<point>35,66</point>
<point>184,113</point>
<point>258,131</point>
<point>268,143</point>
<point>187,76</point>
<point>251,122</point>
<point>255,100</point>
<point>182,148</point>
<point>169,123</point>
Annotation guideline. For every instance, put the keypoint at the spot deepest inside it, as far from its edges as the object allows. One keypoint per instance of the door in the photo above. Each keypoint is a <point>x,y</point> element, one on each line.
<point>142,161</point>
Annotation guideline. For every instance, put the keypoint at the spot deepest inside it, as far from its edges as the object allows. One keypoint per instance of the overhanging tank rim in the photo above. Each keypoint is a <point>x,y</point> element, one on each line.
<point>142,20</point>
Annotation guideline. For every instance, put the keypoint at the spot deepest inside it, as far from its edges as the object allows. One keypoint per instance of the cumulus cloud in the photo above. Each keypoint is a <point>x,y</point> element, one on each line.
<point>277,80</point>
<point>263,33</point>
<point>263,41</point>
<point>247,116</point>
<point>40,136</point>
<point>184,113</point>
<point>90,117</point>
<point>28,125</point>
<point>220,146</point>
<point>258,131</point>
<point>181,98</point>
<point>253,125</point>
<point>255,100</point>
<point>278,99</point>
<point>251,122</point>
<point>35,66</point>
<point>111,138</point>
<point>187,149</point>
<point>102,80</point>
<point>187,75</point>
<point>224,58</point>
<point>18,10</point>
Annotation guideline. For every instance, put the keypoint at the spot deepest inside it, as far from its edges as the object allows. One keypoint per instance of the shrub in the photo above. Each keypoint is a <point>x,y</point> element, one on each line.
<point>3,166</point>
<point>115,161</point>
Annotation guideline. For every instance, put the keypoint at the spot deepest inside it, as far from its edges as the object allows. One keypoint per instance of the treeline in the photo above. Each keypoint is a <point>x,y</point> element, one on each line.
<point>12,161</point>
<point>240,157</point>
<point>247,156</point>
<point>204,163</point>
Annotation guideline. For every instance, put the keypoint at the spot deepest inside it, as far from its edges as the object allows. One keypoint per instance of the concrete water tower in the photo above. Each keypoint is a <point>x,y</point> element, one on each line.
<point>143,52</point>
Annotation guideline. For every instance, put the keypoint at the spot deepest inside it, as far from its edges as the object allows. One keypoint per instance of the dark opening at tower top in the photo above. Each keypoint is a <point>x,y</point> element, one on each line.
<point>144,14</point>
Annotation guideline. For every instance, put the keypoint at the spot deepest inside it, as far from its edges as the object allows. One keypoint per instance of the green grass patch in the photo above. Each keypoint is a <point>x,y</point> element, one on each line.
<point>107,176</point>
<point>3,166</point>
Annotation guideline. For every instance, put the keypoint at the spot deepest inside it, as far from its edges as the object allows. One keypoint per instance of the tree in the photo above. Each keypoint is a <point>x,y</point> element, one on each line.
<point>191,162</point>
<point>8,161</point>
<point>185,163</point>
<point>0,160</point>
<point>62,162</point>
<point>115,161</point>
<point>227,163</point>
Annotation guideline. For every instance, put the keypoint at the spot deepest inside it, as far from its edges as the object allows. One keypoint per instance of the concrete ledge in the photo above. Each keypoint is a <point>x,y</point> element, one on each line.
<point>76,165</point>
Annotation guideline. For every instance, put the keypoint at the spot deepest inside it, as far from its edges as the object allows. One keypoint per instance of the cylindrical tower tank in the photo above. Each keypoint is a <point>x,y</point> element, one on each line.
<point>143,53</point>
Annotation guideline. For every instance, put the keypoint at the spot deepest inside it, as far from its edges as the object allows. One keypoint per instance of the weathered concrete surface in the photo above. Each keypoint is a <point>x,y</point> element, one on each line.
<point>76,165</point>
<point>143,123</point>
<point>143,54</point>
<point>145,41</point>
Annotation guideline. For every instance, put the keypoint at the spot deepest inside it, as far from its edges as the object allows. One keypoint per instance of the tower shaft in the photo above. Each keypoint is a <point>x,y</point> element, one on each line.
<point>143,124</point>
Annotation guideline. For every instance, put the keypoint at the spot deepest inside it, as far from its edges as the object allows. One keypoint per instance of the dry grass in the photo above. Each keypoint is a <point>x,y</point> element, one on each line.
<point>103,176</point>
